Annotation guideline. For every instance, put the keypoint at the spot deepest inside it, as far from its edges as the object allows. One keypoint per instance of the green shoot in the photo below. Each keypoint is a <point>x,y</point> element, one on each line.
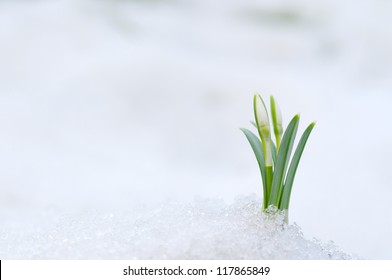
<point>276,169</point>
<point>276,120</point>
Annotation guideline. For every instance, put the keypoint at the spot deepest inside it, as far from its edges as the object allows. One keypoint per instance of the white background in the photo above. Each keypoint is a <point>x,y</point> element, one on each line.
<point>108,104</point>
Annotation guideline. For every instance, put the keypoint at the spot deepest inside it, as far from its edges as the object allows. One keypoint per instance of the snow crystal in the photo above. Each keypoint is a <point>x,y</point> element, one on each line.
<point>203,229</point>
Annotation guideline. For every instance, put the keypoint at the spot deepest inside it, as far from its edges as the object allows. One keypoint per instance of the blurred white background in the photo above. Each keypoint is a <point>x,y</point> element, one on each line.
<point>112,103</point>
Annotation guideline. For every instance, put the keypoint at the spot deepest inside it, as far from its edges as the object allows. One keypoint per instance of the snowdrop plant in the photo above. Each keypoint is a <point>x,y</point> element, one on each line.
<point>276,165</point>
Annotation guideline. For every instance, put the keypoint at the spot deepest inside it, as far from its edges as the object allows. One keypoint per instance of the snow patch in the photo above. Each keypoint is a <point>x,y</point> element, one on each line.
<point>203,229</point>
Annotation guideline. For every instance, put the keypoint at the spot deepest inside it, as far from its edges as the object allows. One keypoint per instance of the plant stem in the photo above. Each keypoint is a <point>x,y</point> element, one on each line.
<point>269,175</point>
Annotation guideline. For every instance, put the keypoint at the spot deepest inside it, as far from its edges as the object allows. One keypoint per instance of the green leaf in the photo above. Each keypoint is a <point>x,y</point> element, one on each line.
<point>282,161</point>
<point>273,151</point>
<point>284,204</point>
<point>257,147</point>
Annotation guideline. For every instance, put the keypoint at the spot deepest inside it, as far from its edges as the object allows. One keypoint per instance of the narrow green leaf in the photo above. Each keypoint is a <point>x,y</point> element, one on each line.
<point>257,148</point>
<point>284,204</point>
<point>273,151</point>
<point>282,161</point>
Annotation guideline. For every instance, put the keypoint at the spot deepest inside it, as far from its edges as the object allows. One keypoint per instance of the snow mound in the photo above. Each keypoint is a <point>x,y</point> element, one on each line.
<point>203,229</point>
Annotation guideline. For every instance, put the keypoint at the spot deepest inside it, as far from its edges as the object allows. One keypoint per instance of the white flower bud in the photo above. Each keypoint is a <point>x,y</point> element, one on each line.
<point>263,126</point>
<point>276,121</point>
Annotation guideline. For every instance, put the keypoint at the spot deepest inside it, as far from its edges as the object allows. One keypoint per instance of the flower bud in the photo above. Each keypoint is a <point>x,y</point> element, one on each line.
<point>276,121</point>
<point>263,126</point>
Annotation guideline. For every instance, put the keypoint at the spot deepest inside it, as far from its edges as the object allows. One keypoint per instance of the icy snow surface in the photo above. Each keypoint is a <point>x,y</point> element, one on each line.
<point>203,229</point>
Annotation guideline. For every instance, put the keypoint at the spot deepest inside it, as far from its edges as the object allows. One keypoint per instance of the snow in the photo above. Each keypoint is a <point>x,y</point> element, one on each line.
<point>203,229</point>
<point>106,105</point>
